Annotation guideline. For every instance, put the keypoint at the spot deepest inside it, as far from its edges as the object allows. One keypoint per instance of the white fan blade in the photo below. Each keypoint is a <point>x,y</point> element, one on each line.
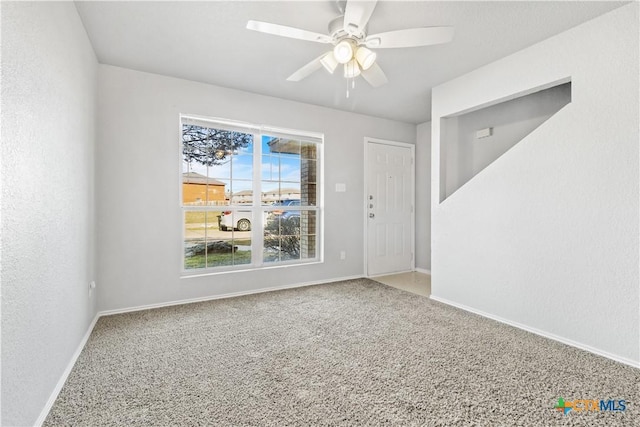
<point>374,76</point>
<point>306,70</point>
<point>291,32</point>
<point>411,37</point>
<point>357,14</point>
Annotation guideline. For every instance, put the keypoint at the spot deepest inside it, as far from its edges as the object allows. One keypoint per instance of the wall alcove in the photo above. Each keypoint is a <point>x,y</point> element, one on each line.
<point>471,140</point>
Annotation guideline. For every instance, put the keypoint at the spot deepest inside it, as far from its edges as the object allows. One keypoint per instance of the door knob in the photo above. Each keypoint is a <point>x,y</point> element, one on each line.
<point>372,215</point>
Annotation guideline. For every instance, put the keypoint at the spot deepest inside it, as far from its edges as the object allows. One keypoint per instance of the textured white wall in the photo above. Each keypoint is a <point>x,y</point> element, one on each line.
<point>547,235</point>
<point>139,217</point>
<point>423,196</point>
<point>49,78</point>
<point>511,121</point>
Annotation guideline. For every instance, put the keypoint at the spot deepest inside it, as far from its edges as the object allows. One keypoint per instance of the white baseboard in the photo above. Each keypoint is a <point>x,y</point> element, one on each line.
<point>423,271</point>
<point>65,374</point>
<point>223,296</point>
<point>581,346</point>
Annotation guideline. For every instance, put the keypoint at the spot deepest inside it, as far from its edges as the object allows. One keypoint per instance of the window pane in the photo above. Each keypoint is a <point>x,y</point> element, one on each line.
<point>270,168</point>
<point>199,190</point>
<point>285,147</point>
<point>210,146</point>
<point>211,157</point>
<point>270,192</point>
<point>280,146</point>
<point>232,244</point>
<point>199,227</point>
<point>308,231</point>
<point>290,169</point>
<point>282,236</point>
<point>243,222</point>
<point>244,147</point>
<point>216,192</point>
<point>242,167</point>
<point>266,148</point>
<point>290,191</point>
<point>308,189</point>
<point>219,252</point>
<point>242,238</point>
<point>308,150</point>
<point>236,221</point>
<point>242,193</point>
<point>222,170</point>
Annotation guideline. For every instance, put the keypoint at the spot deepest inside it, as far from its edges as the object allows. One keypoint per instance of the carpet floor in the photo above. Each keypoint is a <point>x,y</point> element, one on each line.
<point>347,353</point>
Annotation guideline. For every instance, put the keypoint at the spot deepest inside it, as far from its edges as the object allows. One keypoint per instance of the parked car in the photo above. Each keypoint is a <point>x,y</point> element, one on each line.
<point>226,221</point>
<point>279,212</point>
<point>292,218</point>
<point>290,214</point>
<point>243,223</point>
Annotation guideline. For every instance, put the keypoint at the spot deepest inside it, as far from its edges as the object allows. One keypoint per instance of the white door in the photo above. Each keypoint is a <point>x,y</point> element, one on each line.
<point>389,207</point>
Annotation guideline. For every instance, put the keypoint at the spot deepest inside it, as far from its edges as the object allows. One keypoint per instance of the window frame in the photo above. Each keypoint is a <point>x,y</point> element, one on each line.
<point>257,208</point>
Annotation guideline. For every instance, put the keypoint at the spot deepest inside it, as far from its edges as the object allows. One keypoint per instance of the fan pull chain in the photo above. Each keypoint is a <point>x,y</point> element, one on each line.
<point>353,85</point>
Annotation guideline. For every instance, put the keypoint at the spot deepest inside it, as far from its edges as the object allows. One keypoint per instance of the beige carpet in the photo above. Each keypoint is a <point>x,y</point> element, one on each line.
<point>348,353</point>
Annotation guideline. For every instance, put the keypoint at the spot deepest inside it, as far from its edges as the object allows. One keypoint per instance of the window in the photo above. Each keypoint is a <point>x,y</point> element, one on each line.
<point>250,195</point>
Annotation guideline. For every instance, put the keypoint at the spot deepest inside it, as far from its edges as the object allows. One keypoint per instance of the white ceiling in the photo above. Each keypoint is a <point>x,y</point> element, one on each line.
<point>208,42</point>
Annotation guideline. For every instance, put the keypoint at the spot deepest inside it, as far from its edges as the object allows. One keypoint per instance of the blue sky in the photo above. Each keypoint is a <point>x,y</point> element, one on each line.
<point>238,172</point>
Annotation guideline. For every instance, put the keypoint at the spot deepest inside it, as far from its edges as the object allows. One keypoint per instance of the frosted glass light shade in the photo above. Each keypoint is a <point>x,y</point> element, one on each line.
<point>351,69</point>
<point>329,62</point>
<point>343,52</point>
<point>365,57</point>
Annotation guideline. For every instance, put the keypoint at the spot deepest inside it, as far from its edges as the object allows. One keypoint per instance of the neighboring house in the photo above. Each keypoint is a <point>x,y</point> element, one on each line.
<point>271,197</point>
<point>242,197</point>
<point>198,189</point>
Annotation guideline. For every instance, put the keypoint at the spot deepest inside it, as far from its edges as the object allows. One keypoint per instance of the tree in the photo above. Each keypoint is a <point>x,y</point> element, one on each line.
<point>209,146</point>
<point>282,235</point>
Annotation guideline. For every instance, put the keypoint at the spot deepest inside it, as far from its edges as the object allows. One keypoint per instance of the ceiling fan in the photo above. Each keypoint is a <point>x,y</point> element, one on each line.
<point>351,43</point>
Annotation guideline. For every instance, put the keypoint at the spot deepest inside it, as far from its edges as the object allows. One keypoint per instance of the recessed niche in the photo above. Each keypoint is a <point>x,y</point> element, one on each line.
<point>472,140</point>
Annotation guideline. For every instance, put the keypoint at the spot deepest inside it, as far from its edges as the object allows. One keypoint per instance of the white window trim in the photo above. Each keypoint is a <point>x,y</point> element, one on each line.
<point>256,208</point>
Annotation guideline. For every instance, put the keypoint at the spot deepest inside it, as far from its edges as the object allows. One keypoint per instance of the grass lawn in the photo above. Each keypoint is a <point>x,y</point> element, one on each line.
<point>200,217</point>
<point>242,242</point>
<point>215,260</point>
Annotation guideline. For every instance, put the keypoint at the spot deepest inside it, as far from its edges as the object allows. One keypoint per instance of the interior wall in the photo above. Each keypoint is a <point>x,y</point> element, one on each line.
<point>49,88</point>
<point>423,196</point>
<point>510,121</point>
<point>546,237</point>
<point>139,215</point>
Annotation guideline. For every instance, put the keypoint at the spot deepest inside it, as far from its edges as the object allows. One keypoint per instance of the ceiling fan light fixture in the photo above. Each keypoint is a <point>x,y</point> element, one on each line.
<point>343,52</point>
<point>351,69</point>
<point>329,62</point>
<point>352,45</point>
<point>365,57</point>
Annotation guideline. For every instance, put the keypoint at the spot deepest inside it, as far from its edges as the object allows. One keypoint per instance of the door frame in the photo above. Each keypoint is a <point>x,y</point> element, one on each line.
<point>412,147</point>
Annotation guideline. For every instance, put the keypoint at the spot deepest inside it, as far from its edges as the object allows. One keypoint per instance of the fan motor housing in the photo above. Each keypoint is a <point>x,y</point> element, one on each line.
<point>337,31</point>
